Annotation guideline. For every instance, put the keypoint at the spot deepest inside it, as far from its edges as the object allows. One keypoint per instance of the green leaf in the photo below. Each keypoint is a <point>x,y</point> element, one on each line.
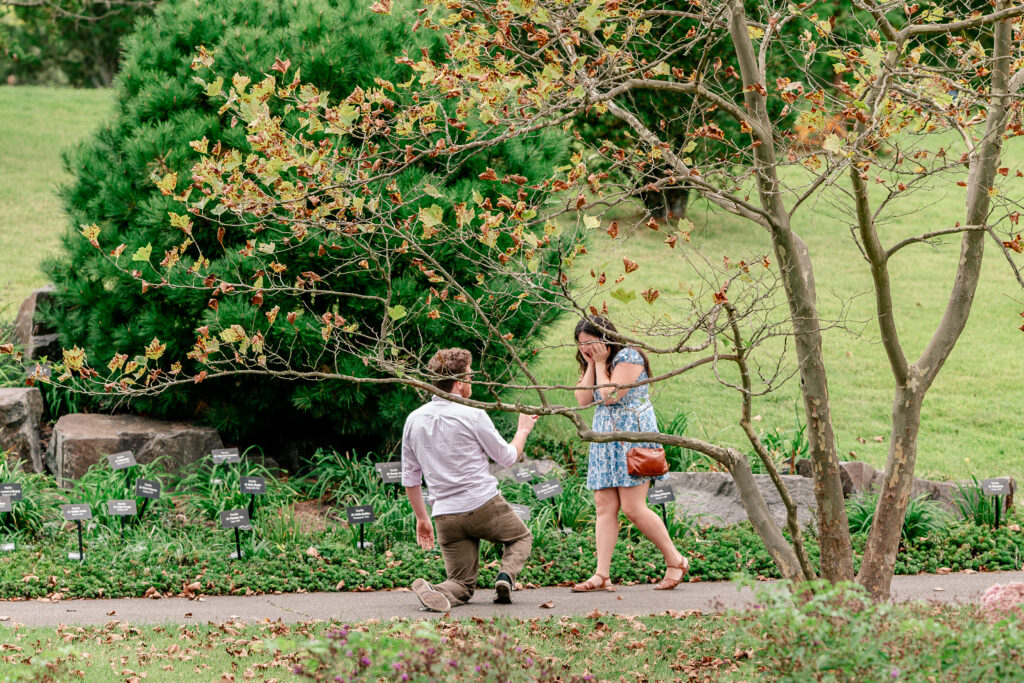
<point>143,253</point>
<point>397,312</point>
<point>591,222</point>
<point>623,295</point>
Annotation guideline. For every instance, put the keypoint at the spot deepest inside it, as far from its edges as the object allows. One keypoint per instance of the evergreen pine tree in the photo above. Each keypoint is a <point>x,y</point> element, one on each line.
<point>337,45</point>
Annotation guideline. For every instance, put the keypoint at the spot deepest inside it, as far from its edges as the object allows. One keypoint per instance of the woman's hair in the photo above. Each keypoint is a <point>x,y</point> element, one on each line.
<point>451,365</point>
<point>603,329</point>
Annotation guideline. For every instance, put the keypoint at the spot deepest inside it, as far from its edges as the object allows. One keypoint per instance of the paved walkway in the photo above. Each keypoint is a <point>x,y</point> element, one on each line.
<point>540,602</point>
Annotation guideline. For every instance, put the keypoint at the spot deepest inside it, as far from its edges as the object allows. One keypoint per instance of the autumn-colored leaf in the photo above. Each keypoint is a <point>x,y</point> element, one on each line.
<point>629,265</point>
<point>281,66</point>
<point>547,605</point>
<point>381,7</point>
<point>581,201</point>
<point>720,297</point>
<point>650,295</point>
<point>671,241</point>
<point>489,174</point>
<point>1015,244</point>
<point>652,223</point>
<point>613,229</point>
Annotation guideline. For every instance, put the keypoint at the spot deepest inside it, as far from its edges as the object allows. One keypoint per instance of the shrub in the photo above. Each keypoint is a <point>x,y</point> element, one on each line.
<point>213,488</point>
<point>433,652</point>
<point>924,516</point>
<point>682,459</point>
<point>38,503</point>
<point>974,505</point>
<point>337,45</point>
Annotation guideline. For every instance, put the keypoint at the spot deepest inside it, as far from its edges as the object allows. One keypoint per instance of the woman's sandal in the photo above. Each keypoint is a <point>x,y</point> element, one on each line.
<point>667,584</point>
<point>589,585</point>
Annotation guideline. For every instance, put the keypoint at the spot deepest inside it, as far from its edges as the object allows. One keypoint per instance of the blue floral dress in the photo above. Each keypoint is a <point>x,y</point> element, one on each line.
<point>633,413</point>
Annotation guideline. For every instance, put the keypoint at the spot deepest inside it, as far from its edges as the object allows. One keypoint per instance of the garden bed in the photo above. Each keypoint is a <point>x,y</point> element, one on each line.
<point>300,541</point>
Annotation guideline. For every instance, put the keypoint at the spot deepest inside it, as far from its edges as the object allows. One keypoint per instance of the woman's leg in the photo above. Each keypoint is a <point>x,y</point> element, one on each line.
<point>634,505</point>
<point>606,503</point>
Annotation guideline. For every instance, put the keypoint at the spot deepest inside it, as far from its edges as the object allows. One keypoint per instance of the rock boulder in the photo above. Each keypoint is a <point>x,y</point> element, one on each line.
<point>21,410</point>
<point>30,332</point>
<point>80,440</point>
<point>711,498</point>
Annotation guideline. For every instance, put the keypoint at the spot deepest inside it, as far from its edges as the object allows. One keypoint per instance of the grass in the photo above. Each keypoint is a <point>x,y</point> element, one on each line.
<point>831,635</point>
<point>968,421</point>
<point>36,125</point>
<point>969,424</point>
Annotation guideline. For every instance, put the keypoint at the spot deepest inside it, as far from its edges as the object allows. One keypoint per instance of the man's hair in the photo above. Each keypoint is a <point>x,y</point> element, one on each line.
<point>450,363</point>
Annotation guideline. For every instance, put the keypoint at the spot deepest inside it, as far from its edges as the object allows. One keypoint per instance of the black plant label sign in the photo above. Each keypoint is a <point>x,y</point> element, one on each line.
<point>547,489</point>
<point>12,491</point>
<point>253,485</point>
<point>525,473</point>
<point>147,488</point>
<point>522,511</point>
<point>122,460</point>
<point>360,514</point>
<point>5,504</point>
<point>76,512</point>
<point>231,519</point>
<point>999,486</point>
<point>390,472</point>
<point>661,494</point>
<point>225,455</point>
<point>122,508</point>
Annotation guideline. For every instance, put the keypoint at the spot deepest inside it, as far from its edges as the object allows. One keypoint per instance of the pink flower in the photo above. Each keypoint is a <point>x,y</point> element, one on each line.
<point>1002,600</point>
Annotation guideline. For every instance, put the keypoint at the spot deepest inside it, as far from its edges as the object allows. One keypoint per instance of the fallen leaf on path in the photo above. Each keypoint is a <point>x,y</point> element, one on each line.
<point>943,570</point>
<point>111,612</point>
<point>938,588</point>
<point>152,593</point>
<point>596,614</point>
<point>548,605</point>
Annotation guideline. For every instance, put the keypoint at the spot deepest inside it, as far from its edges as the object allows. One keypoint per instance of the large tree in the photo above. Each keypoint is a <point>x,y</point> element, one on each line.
<point>920,98</point>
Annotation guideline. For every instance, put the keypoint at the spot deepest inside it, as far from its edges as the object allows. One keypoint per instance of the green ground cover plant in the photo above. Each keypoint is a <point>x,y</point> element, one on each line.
<point>301,543</point>
<point>819,633</point>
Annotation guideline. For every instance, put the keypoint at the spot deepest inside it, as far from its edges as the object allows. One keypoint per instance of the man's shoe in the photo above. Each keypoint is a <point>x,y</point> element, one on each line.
<point>503,589</point>
<point>433,600</point>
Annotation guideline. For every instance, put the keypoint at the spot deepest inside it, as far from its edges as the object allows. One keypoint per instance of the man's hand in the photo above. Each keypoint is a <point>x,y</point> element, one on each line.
<point>425,533</point>
<point>527,422</point>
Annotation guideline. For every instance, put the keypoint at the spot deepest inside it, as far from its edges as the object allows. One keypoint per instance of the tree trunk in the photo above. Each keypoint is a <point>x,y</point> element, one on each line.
<point>883,540</point>
<point>833,527</point>
<point>757,510</point>
<point>887,527</point>
<point>798,280</point>
<point>668,203</point>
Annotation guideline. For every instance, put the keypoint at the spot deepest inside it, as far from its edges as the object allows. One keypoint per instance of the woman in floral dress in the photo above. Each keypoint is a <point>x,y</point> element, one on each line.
<point>603,360</point>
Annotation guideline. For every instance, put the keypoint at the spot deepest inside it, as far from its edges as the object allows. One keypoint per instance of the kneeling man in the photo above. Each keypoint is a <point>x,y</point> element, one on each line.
<point>447,445</point>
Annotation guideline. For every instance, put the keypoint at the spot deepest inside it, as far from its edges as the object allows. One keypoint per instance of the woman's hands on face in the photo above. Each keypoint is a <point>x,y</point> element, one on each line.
<point>599,352</point>
<point>587,351</point>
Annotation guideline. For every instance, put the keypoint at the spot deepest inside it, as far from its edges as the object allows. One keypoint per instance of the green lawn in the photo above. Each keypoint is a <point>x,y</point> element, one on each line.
<point>969,419</point>
<point>36,125</point>
<point>970,413</point>
<point>831,636</point>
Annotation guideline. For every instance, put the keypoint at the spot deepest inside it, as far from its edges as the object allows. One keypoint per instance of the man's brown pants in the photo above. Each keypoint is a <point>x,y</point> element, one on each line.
<point>459,536</point>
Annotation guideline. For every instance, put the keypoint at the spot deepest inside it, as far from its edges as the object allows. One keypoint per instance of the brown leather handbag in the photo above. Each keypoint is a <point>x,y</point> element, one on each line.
<point>646,462</point>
